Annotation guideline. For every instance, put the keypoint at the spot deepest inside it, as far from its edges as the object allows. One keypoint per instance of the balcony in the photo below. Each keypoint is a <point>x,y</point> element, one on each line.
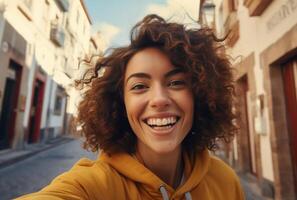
<point>25,8</point>
<point>63,5</point>
<point>57,35</point>
<point>256,7</point>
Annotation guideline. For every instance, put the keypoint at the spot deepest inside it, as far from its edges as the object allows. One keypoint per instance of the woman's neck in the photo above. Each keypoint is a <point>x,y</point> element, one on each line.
<point>167,166</point>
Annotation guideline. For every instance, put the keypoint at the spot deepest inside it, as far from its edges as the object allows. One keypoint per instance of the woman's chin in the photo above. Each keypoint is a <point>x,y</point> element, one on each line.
<point>164,148</point>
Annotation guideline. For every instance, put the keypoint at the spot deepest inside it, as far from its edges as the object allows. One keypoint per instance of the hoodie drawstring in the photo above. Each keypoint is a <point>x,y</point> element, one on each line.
<point>188,196</point>
<point>166,197</point>
<point>164,193</point>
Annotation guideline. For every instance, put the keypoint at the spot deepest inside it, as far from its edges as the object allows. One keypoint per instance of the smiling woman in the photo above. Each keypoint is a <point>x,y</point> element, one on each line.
<point>160,106</point>
<point>164,112</point>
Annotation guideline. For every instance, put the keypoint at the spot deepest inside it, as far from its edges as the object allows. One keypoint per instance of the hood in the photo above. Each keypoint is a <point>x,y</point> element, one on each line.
<point>195,169</point>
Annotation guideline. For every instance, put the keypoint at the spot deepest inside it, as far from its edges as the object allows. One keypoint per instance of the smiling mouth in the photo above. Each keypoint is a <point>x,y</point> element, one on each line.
<point>161,123</point>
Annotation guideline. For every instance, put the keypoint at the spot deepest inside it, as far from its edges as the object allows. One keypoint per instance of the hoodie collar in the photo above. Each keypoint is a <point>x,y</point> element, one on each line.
<point>131,168</point>
<point>195,168</point>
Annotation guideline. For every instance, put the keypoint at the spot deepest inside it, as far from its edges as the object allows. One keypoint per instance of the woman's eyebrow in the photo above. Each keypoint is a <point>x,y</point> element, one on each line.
<point>138,75</point>
<point>174,71</point>
<point>147,76</point>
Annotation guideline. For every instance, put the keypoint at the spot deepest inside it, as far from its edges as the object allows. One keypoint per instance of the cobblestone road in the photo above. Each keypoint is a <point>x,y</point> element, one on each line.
<point>34,173</point>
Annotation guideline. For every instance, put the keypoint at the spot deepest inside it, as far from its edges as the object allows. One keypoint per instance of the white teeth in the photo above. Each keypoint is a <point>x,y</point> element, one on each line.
<point>154,121</point>
<point>161,121</point>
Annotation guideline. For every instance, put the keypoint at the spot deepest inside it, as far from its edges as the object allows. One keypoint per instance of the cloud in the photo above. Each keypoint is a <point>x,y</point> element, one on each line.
<point>107,33</point>
<point>185,11</point>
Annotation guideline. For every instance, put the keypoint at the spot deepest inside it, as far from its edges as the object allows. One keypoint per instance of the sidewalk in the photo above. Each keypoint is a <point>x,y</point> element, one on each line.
<point>251,188</point>
<point>10,156</point>
<point>249,184</point>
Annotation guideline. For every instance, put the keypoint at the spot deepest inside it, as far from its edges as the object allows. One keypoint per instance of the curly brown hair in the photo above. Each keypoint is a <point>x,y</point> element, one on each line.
<point>102,115</point>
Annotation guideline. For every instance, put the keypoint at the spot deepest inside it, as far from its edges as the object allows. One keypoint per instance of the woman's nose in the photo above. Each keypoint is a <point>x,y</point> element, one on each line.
<point>159,98</point>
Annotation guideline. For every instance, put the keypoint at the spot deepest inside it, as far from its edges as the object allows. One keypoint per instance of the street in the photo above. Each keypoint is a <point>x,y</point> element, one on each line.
<point>34,173</point>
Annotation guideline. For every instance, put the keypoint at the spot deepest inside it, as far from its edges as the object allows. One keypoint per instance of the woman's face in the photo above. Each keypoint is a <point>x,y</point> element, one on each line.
<point>159,101</point>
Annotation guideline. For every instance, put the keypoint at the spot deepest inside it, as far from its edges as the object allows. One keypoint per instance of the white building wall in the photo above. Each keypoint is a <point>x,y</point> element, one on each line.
<point>77,42</point>
<point>32,63</point>
<point>47,54</point>
<point>46,103</point>
<point>80,24</point>
<point>18,21</point>
<point>269,36</point>
<point>43,53</point>
<point>256,34</point>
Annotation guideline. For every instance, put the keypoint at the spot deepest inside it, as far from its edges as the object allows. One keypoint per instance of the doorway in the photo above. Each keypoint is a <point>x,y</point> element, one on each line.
<point>248,163</point>
<point>36,110</point>
<point>289,73</point>
<point>9,104</point>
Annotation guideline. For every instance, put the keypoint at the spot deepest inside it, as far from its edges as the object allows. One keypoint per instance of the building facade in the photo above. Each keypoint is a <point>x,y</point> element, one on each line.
<point>262,41</point>
<point>41,44</point>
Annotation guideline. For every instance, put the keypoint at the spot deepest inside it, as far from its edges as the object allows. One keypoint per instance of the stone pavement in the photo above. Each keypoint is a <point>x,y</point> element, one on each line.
<point>37,171</point>
<point>252,192</point>
<point>9,156</point>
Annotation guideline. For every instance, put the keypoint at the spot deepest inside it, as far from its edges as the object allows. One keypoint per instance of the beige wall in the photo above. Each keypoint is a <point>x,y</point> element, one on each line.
<point>34,25</point>
<point>16,52</point>
<point>78,44</point>
<point>256,34</point>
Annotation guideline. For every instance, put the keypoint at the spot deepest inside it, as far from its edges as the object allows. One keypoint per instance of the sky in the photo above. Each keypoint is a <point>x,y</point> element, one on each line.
<point>115,18</point>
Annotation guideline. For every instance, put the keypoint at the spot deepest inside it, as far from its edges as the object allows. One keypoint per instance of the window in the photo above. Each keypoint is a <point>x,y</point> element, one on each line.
<point>58,101</point>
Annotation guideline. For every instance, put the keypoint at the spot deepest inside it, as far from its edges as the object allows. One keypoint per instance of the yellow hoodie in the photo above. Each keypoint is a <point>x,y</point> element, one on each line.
<point>122,177</point>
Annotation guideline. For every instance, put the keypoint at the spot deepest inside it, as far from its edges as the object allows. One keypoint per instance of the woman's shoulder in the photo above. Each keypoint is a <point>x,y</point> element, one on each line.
<point>221,175</point>
<point>96,171</point>
<point>91,166</point>
<point>93,175</point>
<point>220,169</point>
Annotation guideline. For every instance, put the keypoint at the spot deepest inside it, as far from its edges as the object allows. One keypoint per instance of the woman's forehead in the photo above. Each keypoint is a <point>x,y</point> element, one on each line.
<point>149,59</point>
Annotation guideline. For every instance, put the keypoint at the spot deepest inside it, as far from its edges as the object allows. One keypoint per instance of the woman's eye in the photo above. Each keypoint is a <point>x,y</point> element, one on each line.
<point>138,87</point>
<point>177,83</point>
